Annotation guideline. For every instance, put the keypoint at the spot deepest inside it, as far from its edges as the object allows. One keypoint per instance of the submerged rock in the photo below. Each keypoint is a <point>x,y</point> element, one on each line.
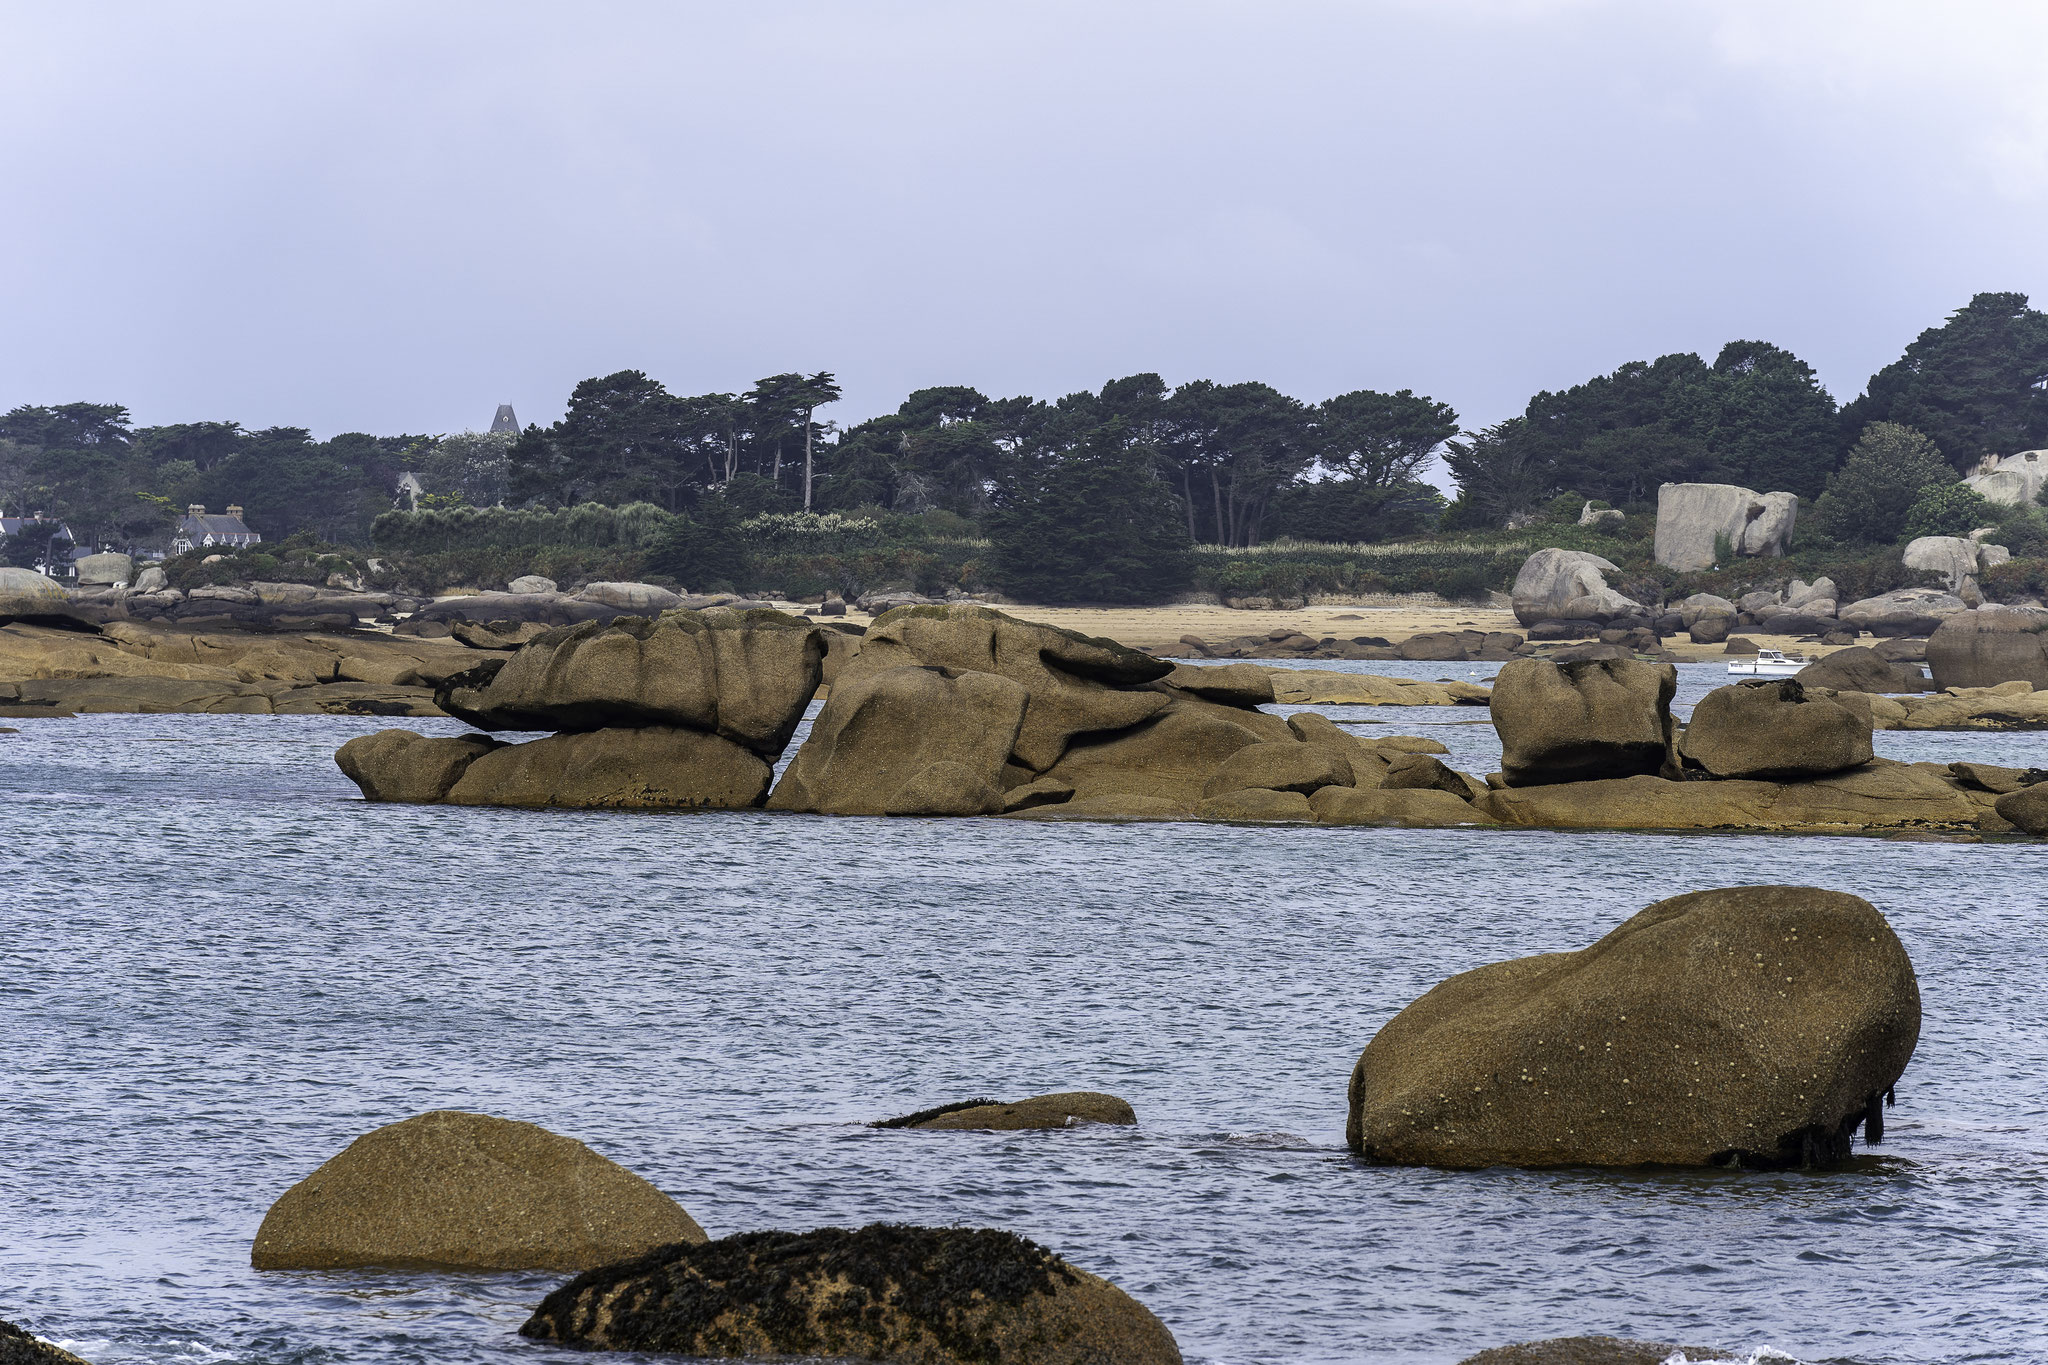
<point>466,1191</point>
<point>1575,722</point>
<point>922,1296</point>
<point>1065,1109</point>
<point>1755,1024</point>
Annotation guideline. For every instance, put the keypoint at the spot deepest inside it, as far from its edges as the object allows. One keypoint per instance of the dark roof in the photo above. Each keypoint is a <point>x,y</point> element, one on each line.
<point>14,526</point>
<point>213,524</point>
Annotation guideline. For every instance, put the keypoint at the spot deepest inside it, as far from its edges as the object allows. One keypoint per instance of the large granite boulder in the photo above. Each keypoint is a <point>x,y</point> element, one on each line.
<point>1165,763</point>
<point>1076,684</point>
<point>546,608</point>
<point>1908,611</point>
<point>1953,557</point>
<point>1592,1351</point>
<point>2026,808</point>
<point>746,676</point>
<point>886,1292</point>
<point>1574,722</point>
<point>654,767</point>
<point>1989,646</point>
<point>1246,685</point>
<point>2015,481</point>
<point>1066,1109</point>
<point>635,597</point>
<point>531,583</point>
<point>1568,585</point>
<point>1860,669</point>
<point>881,730</point>
<point>1705,604</point>
<point>1759,1025</point>
<point>104,570</point>
<point>399,765</point>
<point>1693,517</point>
<point>24,1348</point>
<point>1771,730</point>
<point>1282,766</point>
<point>460,1191</point>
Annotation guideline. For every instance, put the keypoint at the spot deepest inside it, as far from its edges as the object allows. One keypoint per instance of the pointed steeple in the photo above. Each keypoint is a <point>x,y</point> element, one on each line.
<point>505,421</point>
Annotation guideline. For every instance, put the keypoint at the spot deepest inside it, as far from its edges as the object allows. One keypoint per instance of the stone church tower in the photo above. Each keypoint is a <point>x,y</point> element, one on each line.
<point>505,421</point>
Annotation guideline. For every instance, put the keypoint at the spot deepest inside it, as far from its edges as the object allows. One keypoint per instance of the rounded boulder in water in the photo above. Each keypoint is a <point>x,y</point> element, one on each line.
<point>458,1191</point>
<point>1753,1025</point>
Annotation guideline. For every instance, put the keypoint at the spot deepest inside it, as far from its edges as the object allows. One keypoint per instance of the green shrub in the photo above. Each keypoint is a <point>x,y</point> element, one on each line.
<point>1950,509</point>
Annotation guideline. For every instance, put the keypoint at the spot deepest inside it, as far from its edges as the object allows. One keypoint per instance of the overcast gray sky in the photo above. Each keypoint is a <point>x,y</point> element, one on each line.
<point>394,216</point>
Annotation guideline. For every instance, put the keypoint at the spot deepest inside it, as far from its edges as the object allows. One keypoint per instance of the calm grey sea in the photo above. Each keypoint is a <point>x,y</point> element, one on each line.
<point>217,967</point>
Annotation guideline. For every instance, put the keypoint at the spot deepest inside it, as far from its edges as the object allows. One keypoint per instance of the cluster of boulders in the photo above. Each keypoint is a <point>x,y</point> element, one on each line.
<point>1698,524</point>
<point>1443,646</point>
<point>1754,1025</point>
<point>458,1191</point>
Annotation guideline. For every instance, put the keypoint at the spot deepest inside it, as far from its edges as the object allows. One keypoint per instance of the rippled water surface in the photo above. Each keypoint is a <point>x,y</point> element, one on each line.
<point>218,968</point>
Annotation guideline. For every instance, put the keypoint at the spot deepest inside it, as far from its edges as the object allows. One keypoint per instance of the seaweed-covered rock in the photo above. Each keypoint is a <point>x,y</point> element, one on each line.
<point>921,1296</point>
<point>1752,1024</point>
<point>1591,1351</point>
<point>399,765</point>
<point>1075,684</point>
<point>24,1348</point>
<point>1065,1109</point>
<point>1772,730</point>
<point>652,768</point>
<point>744,675</point>
<point>881,731</point>
<point>1581,721</point>
<point>468,1192</point>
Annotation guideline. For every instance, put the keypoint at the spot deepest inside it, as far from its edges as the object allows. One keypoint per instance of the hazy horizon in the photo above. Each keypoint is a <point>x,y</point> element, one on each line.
<point>375,218</point>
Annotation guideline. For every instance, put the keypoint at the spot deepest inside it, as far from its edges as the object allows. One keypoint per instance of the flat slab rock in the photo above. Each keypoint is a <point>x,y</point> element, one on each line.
<point>922,1296</point>
<point>1592,1351</point>
<point>1066,1109</point>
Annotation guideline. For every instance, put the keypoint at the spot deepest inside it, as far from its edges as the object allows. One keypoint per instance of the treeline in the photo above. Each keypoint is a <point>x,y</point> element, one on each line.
<point>1230,465</point>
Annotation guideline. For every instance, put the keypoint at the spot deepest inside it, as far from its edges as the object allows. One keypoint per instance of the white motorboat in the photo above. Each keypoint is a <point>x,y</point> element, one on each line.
<point>1768,663</point>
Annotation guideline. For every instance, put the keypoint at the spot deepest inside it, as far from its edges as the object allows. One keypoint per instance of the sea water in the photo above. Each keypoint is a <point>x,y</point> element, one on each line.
<point>217,967</point>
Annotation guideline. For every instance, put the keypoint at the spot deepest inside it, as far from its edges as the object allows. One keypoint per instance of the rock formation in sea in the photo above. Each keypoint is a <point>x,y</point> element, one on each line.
<point>885,1292</point>
<point>1573,722</point>
<point>1753,1025</point>
<point>18,1347</point>
<point>1592,1351</point>
<point>462,1191</point>
<point>1990,646</point>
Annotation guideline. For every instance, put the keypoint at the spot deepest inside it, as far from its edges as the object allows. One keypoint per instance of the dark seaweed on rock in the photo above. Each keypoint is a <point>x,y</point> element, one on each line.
<point>927,1115</point>
<point>927,1275</point>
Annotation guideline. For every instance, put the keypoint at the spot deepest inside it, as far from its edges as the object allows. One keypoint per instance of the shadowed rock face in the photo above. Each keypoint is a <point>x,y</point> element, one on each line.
<point>1574,722</point>
<point>1076,684</point>
<point>1859,669</point>
<point>1988,647</point>
<point>883,733</point>
<point>468,1192</point>
<point>1067,1109</point>
<point>746,676</point>
<point>1760,1024</point>
<point>923,1296</point>
<point>1773,730</point>
<point>1591,1351</point>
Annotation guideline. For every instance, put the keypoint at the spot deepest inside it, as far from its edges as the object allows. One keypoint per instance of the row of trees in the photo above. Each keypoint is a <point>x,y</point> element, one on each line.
<point>1975,386</point>
<point>1240,463</point>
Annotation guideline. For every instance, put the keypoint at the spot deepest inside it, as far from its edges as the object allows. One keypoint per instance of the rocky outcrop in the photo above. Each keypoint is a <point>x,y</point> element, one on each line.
<point>399,765</point>
<point>2025,809</point>
<point>1771,730</point>
<point>886,1292</point>
<point>1406,808</point>
<point>1693,518</point>
<point>2015,481</point>
<point>746,676</point>
<point>1857,669</point>
<point>1245,685</point>
<point>1990,646</point>
<point>1576,722</point>
<point>2008,706</point>
<point>1704,604</point>
<point>1280,765</point>
<point>530,583</point>
<point>460,1191</point>
<point>1880,795</point>
<point>1169,758</point>
<point>1953,557</point>
<point>881,730</point>
<point>634,597</point>
<point>1759,1025</point>
<point>1447,646</point>
<point>1325,687</point>
<point>1568,585</point>
<point>652,767</point>
<point>1592,1351</point>
<point>104,570</point>
<point>18,1347</point>
<point>1066,1109</point>
<point>1909,611</point>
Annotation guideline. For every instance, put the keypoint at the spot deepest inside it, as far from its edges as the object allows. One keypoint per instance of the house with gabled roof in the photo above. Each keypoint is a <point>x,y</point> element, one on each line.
<point>199,528</point>
<point>62,547</point>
